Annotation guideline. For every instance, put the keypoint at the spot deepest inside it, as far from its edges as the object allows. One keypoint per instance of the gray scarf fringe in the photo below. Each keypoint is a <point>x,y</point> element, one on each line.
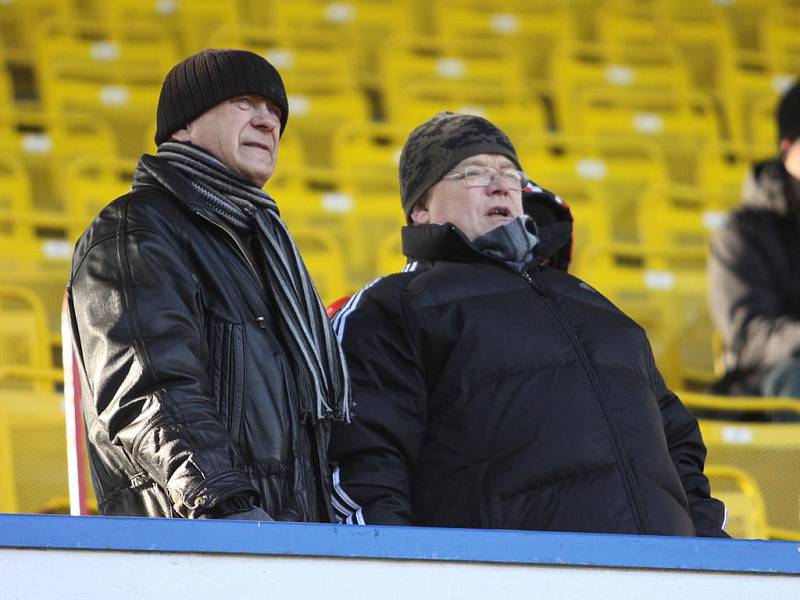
<point>316,355</point>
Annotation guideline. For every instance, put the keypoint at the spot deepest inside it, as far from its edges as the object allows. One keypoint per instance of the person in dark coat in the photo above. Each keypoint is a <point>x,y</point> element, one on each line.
<point>209,371</point>
<point>492,388</point>
<point>754,288</point>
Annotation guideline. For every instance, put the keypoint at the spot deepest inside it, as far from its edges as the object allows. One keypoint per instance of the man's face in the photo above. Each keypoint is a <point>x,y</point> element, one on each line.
<point>791,156</point>
<point>474,210</point>
<point>242,132</point>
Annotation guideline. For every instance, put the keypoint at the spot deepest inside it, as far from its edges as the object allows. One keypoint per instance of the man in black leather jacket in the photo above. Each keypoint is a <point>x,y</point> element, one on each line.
<point>754,288</point>
<point>493,389</point>
<point>209,371</point>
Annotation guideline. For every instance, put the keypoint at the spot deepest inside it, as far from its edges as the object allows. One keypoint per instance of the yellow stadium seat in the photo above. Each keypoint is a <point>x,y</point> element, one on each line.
<point>471,75</point>
<point>769,452</point>
<point>324,261</point>
<point>19,21</point>
<point>17,218</point>
<point>581,67</point>
<point>724,167</point>
<point>25,359</point>
<point>368,156</point>
<point>679,124</point>
<point>750,92</point>
<point>33,463</point>
<point>744,502</point>
<point>619,169</point>
<point>360,25</point>
<point>534,28</point>
<point>701,34</point>
<point>684,216</point>
<point>115,75</point>
<point>358,222</point>
<point>45,144</point>
<point>192,21</point>
<point>390,255</point>
<point>664,290</point>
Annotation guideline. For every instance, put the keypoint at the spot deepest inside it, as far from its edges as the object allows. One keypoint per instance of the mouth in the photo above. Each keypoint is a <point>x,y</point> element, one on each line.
<point>259,146</point>
<point>499,211</point>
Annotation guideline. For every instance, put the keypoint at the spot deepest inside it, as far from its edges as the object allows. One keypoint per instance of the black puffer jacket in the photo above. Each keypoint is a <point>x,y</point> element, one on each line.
<point>493,399</point>
<point>187,393</point>
<point>754,285</point>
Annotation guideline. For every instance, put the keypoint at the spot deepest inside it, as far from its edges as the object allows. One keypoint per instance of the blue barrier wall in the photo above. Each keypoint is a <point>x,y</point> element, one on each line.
<point>400,543</point>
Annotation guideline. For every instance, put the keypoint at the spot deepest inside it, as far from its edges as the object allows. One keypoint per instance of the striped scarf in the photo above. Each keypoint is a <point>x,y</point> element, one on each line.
<point>315,352</point>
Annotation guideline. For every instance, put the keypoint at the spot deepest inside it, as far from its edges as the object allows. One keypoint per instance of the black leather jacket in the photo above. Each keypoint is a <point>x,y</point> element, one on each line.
<point>187,392</point>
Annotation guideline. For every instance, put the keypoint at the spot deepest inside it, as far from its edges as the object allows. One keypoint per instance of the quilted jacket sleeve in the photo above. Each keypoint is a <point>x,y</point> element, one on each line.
<point>377,452</point>
<point>139,326</point>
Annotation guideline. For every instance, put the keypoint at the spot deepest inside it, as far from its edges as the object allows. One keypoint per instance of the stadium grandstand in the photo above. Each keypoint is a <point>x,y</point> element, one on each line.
<point>643,115</point>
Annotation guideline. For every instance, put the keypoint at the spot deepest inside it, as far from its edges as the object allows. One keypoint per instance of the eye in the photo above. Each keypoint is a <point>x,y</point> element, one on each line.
<point>243,102</point>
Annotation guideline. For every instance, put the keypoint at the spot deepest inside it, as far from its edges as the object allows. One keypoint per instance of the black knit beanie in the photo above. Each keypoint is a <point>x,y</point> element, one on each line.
<point>439,144</point>
<point>789,114</point>
<point>209,77</point>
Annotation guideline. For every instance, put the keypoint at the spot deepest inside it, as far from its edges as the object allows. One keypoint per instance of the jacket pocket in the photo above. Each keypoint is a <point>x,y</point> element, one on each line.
<point>227,378</point>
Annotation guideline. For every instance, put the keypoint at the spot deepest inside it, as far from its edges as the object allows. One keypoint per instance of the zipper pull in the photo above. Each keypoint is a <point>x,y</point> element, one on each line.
<point>261,322</point>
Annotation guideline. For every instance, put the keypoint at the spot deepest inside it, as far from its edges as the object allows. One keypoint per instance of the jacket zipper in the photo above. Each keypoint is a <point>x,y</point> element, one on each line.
<point>627,474</point>
<point>238,245</point>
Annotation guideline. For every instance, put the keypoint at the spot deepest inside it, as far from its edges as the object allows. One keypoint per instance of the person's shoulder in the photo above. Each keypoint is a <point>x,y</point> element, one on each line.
<point>147,207</point>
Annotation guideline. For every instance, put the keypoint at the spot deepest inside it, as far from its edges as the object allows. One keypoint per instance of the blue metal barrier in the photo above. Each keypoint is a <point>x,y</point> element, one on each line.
<point>401,543</point>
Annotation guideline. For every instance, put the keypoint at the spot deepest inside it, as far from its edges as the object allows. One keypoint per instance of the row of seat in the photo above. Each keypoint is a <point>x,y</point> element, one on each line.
<point>638,84</point>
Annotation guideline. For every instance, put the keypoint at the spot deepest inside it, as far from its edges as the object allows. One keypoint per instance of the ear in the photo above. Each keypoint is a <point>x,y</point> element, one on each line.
<point>420,215</point>
<point>182,135</point>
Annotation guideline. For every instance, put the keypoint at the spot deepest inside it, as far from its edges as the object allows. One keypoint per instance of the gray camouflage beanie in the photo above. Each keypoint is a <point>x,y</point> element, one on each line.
<point>439,144</point>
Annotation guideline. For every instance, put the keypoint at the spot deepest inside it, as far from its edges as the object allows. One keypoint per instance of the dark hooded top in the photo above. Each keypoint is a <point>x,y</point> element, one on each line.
<point>489,398</point>
<point>754,275</point>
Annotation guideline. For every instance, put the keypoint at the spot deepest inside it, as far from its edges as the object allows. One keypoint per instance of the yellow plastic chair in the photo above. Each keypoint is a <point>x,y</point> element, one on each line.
<point>679,124</point>
<point>33,464</point>
<point>192,21</point>
<point>744,502</point>
<point>324,261</point>
<point>390,255</point>
<point>112,74</point>
<point>580,66</point>
<point>768,452</point>
<point>681,216</point>
<point>664,290</point>
<point>702,35</point>
<point>520,23</point>
<point>725,167</point>
<point>19,21</point>
<point>25,355</point>
<point>472,74</point>
<point>619,169</point>
<point>360,25</point>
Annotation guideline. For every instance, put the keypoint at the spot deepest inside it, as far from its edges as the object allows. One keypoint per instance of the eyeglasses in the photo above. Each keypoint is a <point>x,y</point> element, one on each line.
<point>476,176</point>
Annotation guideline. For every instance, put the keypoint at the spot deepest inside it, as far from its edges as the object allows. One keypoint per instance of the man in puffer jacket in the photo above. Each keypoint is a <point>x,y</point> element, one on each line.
<point>494,390</point>
<point>754,288</point>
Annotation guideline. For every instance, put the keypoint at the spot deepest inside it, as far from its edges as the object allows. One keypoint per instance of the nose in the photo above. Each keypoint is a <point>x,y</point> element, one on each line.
<point>498,184</point>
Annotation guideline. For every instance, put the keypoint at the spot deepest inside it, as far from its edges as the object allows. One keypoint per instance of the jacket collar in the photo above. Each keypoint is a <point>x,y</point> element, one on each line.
<point>771,187</point>
<point>432,242</point>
